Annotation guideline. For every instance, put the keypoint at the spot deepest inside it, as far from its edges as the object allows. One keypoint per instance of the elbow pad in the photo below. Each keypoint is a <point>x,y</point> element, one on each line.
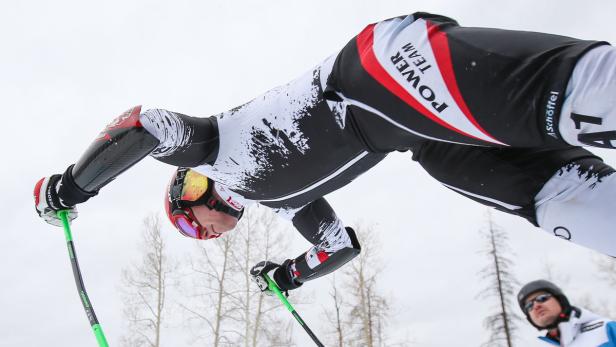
<point>119,146</point>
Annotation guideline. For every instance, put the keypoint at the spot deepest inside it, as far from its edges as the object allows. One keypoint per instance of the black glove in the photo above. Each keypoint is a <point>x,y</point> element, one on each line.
<point>58,192</point>
<point>282,275</point>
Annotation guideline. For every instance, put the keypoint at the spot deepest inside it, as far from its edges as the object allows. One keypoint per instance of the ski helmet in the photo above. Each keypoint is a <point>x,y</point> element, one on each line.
<point>549,287</point>
<point>187,189</point>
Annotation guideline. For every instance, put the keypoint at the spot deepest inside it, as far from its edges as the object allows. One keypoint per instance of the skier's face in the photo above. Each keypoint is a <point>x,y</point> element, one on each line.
<point>214,222</point>
<point>543,313</point>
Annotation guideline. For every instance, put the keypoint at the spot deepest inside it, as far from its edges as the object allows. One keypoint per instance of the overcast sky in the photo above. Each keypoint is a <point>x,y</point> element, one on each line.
<point>68,67</point>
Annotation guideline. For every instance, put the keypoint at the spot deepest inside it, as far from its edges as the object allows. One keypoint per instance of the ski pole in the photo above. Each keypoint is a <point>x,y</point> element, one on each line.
<point>81,289</point>
<point>274,288</point>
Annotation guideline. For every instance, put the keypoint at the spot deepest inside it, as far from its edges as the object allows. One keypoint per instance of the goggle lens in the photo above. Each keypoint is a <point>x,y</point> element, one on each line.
<point>194,186</point>
<point>187,228</point>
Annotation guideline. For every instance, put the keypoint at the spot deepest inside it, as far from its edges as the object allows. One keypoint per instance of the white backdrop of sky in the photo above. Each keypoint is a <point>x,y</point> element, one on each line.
<point>68,67</point>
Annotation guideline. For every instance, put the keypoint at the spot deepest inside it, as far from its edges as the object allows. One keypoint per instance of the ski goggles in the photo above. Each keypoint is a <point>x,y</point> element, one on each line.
<point>539,298</point>
<point>189,189</point>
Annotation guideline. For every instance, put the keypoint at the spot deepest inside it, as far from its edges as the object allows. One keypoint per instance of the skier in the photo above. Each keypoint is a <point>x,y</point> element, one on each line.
<point>498,116</point>
<point>547,308</point>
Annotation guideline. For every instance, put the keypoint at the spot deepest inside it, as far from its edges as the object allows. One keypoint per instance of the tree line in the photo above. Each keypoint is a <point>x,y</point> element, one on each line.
<point>210,291</point>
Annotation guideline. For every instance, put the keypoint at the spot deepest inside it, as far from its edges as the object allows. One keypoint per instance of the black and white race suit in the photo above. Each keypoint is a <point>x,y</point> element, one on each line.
<point>496,115</point>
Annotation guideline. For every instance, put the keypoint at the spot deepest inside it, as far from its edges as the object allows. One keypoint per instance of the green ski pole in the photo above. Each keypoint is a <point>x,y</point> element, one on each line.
<point>87,306</point>
<point>271,285</point>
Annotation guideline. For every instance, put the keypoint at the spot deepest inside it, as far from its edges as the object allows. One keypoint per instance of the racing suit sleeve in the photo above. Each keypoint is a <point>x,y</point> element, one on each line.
<point>170,137</point>
<point>333,244</point>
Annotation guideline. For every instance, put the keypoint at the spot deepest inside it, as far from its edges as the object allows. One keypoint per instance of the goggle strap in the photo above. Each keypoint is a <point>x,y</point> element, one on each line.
<point>217,205</point>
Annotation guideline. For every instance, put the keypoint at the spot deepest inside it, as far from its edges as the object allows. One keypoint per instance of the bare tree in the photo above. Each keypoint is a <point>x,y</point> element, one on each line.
<point>335,317</point>
<point>607,269</point>
<point>145,287</point>
<point>591,302</point>
<point>501,283</point>
<point>223,297</point>
<point>607,272</point>
<point>555,276</point>
<point>259,236</point>
<point>210,285</point>
<point>360,313</point>
<point>368,309</point>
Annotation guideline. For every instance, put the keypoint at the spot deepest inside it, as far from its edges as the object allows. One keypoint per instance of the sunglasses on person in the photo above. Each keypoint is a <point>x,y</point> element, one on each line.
<point>539,298</point>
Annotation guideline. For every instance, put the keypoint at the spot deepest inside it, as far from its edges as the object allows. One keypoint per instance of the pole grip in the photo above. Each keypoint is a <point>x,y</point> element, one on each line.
<point>63,215</point>
<point>271,285</point>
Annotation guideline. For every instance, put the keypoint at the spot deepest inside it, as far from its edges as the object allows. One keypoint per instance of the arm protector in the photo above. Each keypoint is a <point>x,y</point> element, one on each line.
<point>119,146</point>
<point>170,137</point>
<point>334,245</point>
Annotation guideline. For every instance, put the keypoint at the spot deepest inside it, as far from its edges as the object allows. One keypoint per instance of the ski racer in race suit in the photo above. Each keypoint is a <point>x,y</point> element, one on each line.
<point>496,115</point>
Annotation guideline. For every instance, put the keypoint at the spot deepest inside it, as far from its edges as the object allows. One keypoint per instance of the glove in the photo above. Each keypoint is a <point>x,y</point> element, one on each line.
<point>282,275</point>
<point>48,203</point>
<point>59,192</point>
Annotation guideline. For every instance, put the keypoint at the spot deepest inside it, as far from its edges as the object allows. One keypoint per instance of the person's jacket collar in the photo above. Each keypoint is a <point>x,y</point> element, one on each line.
<point>570,329</point>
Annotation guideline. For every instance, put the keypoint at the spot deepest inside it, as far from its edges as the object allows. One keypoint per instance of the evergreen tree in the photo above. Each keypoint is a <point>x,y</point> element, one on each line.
<point>501,284</point>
